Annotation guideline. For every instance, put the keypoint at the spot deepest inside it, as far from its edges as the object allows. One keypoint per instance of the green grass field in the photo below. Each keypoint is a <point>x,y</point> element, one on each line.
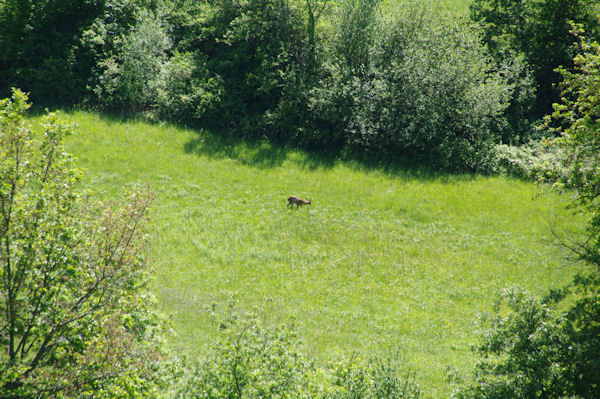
<point>457,7</point>
<point>452,7</point>
<point>382,260</point>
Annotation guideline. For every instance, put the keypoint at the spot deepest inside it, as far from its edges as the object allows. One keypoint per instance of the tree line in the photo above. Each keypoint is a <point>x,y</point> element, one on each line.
<point>400,80</point>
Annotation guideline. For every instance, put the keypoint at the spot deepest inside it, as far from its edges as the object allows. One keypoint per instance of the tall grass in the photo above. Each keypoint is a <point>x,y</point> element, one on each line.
<point>458,8</point>
<point>398,260</point>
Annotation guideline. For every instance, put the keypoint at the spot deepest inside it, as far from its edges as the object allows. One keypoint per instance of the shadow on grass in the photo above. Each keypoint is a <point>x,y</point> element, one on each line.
<point>263,154</point>
<point>217,143</point>
<point>258,154</point>
<point>120,116</point>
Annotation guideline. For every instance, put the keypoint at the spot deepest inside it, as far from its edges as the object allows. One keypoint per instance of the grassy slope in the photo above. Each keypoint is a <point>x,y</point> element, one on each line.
<point>458,7</point>
<point>380,260</point>
<point>452,7</point>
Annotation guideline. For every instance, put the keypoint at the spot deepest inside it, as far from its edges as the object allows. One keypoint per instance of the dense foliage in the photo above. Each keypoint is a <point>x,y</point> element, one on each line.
<point>395,81</point>
<point>529,39</point>
<point>532,160</point>
<point>38,49</point>
<point>255,360</point>
<point>420,87</point>
<point>56,60</point>
<point>532,348</point>
<point>345,75</point>
<point>577,119</point>
<point>76,319</point>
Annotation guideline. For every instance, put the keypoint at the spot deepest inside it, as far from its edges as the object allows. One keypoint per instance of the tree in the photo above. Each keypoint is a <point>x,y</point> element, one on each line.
<point>534,348</point>
<point>131,76</point>
<point>538,31</point>
<point>550,348</point>
<point>257,52</point>
<point>75,315</point>
<point>355,33</point>
<point>410,85</point>
<point>38,49</point>
<point>314,10</point>
<point>577,120</point>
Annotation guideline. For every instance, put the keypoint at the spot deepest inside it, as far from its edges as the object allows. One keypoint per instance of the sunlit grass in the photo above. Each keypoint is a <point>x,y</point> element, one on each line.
<point>458,8</point>
<point>380,260</point>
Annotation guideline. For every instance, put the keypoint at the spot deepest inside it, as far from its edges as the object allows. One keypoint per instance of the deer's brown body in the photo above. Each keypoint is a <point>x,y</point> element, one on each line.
<point>293,200</point>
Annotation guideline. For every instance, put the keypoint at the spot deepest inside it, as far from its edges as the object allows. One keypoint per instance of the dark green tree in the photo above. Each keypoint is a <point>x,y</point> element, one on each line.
<point>314,11</point>
<point>120,51</point>
<point>538,31</point>
<point>38,46</point>
<point>131,75</point>
<point>258,51</point>
<point>53,47</point>
<point>533,348</point>
<point>409,85</point>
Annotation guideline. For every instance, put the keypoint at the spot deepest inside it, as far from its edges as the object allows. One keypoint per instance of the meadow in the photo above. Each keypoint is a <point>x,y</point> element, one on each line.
<point>383,260</point>
<point>455,7</point>
<point>458,8</point>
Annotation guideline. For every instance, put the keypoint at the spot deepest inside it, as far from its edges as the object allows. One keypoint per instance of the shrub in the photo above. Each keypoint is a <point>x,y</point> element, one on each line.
<point>103,40</point>
<point>424,89</point>
<point>538,32</point>
<point>255,360</point>
<point>533,348</point>
<point>250,360</point>
<point>131,77</point>
<point>186,90</point>
<point>38,50</point>
<point>549,348</point>
<point>533,160</point>
<point>258,49</point>
<point>381,378</point>
<point>577,119</point>
<point>519,125</point>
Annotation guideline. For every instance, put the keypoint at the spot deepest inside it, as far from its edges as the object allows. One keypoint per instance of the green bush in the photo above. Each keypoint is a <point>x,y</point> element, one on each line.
<point>519,124</point>
<point>103,40</point>
<point>533,160</point>
<point>577,120</point>
<point>424,88</point>
<point>533,348</point>
<point>537,31</point>
<point>39,51</point>
<point>58,61</point>
<point>250,360</point>
<point>258,49</point>
<point>186,89</point>
<point>256,360</point>
<point>381,378</point>
<point>130,78</point>
<point>550,348</point>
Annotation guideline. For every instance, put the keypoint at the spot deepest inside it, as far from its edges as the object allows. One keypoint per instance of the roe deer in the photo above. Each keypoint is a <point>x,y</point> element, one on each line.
<point>298,201</point>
